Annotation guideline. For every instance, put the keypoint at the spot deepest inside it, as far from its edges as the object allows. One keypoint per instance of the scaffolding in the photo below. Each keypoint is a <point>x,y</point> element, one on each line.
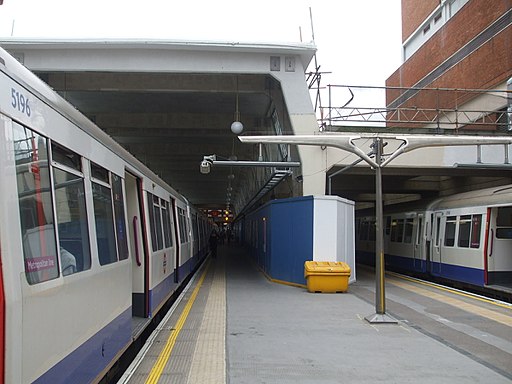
<point>436,110</point>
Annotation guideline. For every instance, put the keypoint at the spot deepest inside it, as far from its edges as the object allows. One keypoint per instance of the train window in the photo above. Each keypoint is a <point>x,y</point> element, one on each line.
<point>122,241</point>
<point>104,219</point>
<point>99,173</point>
<point>35,205</point>
<point>388,225</point>
<point>66,157</point>
<point>394,225</point>
<point>504,223</point>
<point>418,231</point>
<point>71,221</point>
<point>476,228</point>
<point>366,230</point>
<point>155,222</point>
<point>152,227</point>
<point>359,232</point>
<point>408,230</point>
<point>183,225</point>
<point>372,230</point>
<point>195,228</point>
<point>166,214</point>
<point>397,230</point>
<point>464,231</point>
<point>449,232</point>
<point>438,230</point>
<point>469,231</point>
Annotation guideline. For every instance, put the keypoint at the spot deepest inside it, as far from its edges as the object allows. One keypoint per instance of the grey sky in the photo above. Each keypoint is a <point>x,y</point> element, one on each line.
<point>358,41</point>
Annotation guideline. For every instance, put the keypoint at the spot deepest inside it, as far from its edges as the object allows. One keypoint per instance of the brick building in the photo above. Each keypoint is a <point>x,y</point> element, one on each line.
<point>456,46</point>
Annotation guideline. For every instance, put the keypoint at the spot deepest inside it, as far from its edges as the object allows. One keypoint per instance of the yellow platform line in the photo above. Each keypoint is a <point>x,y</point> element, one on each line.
<point>163,358</point>
<point>475,309</point>
<point>455,292</point>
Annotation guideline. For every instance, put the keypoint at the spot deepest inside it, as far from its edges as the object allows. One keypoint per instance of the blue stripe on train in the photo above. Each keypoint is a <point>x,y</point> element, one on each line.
<point>459,273</point>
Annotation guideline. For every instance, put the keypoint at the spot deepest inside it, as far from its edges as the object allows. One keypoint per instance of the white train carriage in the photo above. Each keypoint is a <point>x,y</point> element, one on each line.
<point>90,238</point>
<point>466,238</point>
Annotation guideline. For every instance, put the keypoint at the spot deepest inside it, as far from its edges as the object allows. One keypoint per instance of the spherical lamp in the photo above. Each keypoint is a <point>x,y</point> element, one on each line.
<point>237,127</point>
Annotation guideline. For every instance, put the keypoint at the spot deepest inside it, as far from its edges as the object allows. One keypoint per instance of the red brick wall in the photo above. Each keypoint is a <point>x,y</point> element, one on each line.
<point>486,67</point>
<point>414,12</point>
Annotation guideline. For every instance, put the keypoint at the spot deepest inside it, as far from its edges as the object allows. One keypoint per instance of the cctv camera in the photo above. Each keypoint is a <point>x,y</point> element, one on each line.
<point>205,167</point>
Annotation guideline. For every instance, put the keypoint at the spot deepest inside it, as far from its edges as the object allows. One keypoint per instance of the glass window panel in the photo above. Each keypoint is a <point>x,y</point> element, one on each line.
<point>388,225</point>
<point>504,223</point>
<point>408,230</point>
<point>158,226</point>
<point>104,219</point>
<point>372,229</point>
<point>66,157</point>
<point>152,228</point>
<point>35,205</point>
<point>449,233</point>
<point>394,228</point>
<point>418,231</point>
<point>504,218</point>
<point>476,229</point>
<point>122,241</point>
<point>400,231</point>
<point>167,224</point>
<point>99,173</point>
<point>464,231</point>
<point>438,230</point>
<point>72,222</point>
<point>183,225</point>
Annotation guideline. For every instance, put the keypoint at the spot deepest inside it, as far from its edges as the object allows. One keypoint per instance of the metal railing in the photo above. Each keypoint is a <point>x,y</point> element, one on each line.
<point>430,108</point>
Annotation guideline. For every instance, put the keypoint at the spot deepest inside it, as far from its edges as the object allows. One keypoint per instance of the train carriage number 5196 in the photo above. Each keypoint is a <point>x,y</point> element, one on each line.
<point>20,102</point>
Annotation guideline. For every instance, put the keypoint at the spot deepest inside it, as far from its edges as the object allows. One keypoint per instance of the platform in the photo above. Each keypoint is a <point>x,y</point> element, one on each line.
<point>235,326</point>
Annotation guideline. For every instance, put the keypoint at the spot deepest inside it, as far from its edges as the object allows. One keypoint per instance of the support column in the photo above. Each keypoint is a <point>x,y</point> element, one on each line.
<point>380,315</point>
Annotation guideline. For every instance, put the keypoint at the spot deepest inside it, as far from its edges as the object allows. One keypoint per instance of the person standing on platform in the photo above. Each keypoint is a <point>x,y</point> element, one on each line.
<point>214,238</point>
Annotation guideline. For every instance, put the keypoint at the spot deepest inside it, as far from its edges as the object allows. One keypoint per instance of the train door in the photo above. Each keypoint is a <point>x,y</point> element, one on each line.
<point>418,243</point>
<point>435,253</point>
<point>140,283</point>
<point>428,238</point>
<point>177,249</point>
<point>499,246</point>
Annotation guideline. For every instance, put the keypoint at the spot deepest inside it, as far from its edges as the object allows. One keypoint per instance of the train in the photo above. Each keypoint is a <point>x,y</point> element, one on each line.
<point>93,244</point>
<point>464,239</point>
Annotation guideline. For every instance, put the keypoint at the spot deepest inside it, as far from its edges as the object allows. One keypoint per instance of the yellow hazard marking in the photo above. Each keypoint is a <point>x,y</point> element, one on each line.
<point>455,292</point>
<point>159,366</point>
<point>492,315</point>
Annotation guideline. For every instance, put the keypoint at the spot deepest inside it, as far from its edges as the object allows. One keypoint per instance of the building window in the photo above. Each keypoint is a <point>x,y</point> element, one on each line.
<point>431,25</point>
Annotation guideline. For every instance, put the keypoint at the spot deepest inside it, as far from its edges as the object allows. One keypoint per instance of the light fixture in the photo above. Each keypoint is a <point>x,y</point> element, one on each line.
<point>236,126</point>
<point>206,164</point>
<point>205,167</point>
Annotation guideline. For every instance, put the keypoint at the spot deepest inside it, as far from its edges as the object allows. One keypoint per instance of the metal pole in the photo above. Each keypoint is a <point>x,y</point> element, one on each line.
<point>380,301</point>
<point>380,315</point>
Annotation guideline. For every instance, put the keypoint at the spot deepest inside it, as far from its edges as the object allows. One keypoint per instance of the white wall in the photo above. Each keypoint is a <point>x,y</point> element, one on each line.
<point>333,231</point>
